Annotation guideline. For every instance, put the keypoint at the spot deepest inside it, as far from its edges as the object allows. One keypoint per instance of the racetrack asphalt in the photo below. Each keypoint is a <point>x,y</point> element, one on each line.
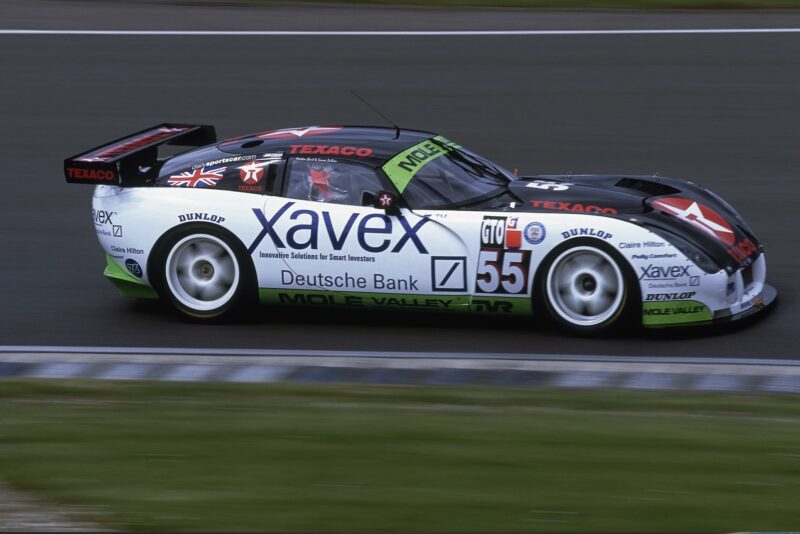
<point>721,110</point>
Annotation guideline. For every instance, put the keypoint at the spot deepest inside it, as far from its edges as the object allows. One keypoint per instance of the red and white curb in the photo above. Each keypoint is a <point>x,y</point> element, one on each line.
<point>384,367</point>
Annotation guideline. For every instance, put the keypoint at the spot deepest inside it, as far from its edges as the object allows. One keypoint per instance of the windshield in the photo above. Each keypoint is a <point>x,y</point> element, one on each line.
<point>438,173</point>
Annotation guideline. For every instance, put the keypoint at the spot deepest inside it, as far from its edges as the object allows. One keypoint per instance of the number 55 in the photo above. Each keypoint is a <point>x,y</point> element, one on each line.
<point>502,271</point>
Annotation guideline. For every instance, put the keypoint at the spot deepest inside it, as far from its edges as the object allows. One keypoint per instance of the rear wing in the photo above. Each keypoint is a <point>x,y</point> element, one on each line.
<point>133,159</point>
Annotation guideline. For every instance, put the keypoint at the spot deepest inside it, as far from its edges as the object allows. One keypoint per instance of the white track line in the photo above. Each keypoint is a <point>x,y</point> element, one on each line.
<point>401,33</point>
<point>33,349</point>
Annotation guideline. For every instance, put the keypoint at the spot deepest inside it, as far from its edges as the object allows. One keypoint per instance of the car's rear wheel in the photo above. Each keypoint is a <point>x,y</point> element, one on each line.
<point>587,288</point>
<point>204,273</point>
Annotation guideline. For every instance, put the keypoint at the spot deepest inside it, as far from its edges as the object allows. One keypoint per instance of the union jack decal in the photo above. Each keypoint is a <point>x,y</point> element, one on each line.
<point>197,178</point>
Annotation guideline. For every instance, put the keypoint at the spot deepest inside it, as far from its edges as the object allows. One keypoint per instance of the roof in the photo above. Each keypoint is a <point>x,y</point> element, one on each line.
<point>359,142</point>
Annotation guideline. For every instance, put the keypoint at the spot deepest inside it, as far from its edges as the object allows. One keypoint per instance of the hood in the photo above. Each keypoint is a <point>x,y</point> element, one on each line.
<point>675,209</point>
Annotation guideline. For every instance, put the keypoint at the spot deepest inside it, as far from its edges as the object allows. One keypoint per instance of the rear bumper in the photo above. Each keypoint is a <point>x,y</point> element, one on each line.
<point>127,285</point>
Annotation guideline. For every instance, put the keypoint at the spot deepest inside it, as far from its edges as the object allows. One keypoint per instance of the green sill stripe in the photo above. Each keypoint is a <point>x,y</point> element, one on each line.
<point>127,285</point>
<point>454,303</point>
<point>679,311</point>
<point>405,165</point>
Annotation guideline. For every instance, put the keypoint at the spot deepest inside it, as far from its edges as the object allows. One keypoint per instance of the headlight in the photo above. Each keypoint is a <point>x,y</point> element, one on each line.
<point>690,250</point>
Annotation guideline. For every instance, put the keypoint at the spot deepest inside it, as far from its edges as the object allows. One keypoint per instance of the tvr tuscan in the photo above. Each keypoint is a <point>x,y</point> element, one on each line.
<point>344,216</point>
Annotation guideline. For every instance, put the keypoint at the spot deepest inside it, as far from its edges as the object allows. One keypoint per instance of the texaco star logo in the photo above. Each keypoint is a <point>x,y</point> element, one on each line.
<point>699,216</point>
<point>385,200</point>
<point>252,172</point>
<point>290,133</point>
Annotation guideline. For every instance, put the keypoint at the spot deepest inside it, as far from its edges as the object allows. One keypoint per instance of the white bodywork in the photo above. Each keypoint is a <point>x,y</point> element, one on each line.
<point>308,252</point>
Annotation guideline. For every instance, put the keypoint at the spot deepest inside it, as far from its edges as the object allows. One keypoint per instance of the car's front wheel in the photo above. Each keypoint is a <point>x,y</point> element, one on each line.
<point>204,273</point>
<point>588,289</point>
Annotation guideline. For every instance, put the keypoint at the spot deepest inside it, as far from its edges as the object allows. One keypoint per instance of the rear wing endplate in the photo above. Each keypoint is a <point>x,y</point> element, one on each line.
<point>133,159</point>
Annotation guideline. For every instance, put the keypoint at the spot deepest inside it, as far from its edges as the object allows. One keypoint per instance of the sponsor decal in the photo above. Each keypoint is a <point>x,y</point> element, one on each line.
<point>573,207</point>
<point>502,268</point>
<point>201,217</point>
<point>456,303</point>
<point>363,300</point>
<point>103,217</point>
<point>502,271</point>
<point>232,159</point>
<point>506,306</point>
<point>670,296</point>
<point>535,233</point>
<point>681,311</point>
<point>291,133</point>
<point>665,255</point>
<point>642,244</point>
<point>513,234</point>
<point>321,256</point>
<point>405,165</point>
<point>385,199</point>
<point>108,153</point>
<point>364,231</point>
<point>318,160</point>
<point>493,232</point>
<point>589,232</point>
<point>133,267</point>
<point>742,250</point>
<point>248,188</point>
<point>668,276</point>
<point>349,281</point>
<point>500,232</point>
<point>662,272</point>
<point>331,150</point>
<point>197,178</point>
<point>449,273</point>
<point>127,250</point>
<point>548,185</point>
<point>100,175</point>
<point>492,306</point>
<point>698,215</point>
<point>253,172</point>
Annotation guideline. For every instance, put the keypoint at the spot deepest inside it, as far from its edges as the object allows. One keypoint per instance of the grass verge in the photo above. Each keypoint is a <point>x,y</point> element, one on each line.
<point>171,456</point>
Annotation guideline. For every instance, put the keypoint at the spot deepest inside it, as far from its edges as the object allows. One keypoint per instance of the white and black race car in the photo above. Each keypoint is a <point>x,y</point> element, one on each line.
<point>369,217</point>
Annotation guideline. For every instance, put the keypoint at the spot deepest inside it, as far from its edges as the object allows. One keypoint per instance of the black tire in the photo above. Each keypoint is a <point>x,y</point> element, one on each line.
<point>587,288</point>
<point>203,271</point>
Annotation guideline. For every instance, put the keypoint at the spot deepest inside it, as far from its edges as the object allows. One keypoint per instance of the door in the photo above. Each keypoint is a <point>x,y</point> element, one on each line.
<point>338,252</point>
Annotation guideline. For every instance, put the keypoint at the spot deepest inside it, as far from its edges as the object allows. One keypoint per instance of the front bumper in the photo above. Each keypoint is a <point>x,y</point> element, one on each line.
<point>726,298</point>
<point>759,303</point>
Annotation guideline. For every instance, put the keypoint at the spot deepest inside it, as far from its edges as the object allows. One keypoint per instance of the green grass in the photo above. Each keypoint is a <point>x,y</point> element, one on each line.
<point>158,456</point>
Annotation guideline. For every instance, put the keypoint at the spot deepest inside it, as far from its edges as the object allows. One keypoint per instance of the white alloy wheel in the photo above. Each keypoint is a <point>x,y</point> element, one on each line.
<point>202,272</point>
<point>585,286</point>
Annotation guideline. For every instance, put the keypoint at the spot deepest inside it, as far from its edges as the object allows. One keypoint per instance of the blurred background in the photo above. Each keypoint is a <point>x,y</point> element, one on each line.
<point>719,109</point>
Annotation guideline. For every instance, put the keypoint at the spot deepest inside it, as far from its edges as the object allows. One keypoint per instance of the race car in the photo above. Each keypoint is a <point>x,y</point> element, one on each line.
<point>377,217</point>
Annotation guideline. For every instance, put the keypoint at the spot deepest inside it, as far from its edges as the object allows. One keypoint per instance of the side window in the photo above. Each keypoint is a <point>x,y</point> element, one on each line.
<point>330,180</point>
<point>246,174</point>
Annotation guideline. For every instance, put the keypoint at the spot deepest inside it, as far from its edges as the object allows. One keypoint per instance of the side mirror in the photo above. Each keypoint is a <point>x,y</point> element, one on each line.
<point>382,200</point>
